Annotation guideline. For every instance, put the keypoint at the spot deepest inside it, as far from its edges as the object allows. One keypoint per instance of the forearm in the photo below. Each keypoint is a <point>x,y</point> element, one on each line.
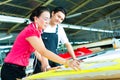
<point>70,50</point>
<point>44,60</point>
<point>52,56</point>
<point>38,56</point>
<point>40,48</point>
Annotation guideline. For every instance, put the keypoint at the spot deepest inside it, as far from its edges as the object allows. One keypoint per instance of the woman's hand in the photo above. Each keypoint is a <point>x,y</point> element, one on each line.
<point>74,64</point>
<point>45,64</point>
<point>53,68</point>
<point>44,67</point>
<point>47,68</point>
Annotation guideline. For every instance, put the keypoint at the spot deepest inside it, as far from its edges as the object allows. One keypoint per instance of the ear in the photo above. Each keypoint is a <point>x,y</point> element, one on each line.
<point>35,18</point>
<point>53,13</point>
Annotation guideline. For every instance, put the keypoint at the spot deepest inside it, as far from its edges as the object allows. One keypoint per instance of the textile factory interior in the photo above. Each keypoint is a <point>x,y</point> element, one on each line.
<point>92,27</point>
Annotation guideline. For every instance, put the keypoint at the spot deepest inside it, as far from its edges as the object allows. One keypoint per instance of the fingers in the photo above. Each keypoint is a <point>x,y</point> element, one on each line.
<point>75,64</point>
<point>54,68</point>
<point>80,60</point>
<point>43,69</point>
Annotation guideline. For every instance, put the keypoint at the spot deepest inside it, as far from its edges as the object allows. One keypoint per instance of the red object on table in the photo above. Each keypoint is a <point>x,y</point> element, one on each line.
<point>78,52</point>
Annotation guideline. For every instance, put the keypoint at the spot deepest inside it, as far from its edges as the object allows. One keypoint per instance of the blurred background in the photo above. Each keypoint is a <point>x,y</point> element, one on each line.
<point>89,23</point>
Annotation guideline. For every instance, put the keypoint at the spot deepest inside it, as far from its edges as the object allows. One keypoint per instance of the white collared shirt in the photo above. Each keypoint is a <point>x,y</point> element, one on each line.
<point>61,33</point>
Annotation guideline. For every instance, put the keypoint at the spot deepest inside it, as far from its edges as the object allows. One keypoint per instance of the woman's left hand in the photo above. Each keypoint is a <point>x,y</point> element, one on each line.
<point>53,68</point>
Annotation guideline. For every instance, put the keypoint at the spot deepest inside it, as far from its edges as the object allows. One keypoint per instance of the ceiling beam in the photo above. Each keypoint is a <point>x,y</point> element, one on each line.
<point>116,26</point>
<point>75,33</point>
<point>79,6</point>
<point>71,2</point>
<point>86,17</point>
<point>113,11</point>
<point>15,26</point>
<point>97,10</point>
<point>43,2</point>
<point>4,2</point>
<point>22,7</point>
<point>64,25</point>
<point>109,4</point>
<point>3,29</point>
<point>47,3</point>
<point>99,20</point>
<point>11,14</point>
<point>97,3</point>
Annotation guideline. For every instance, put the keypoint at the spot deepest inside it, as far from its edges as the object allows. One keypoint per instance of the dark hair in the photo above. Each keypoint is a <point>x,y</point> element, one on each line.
<point>38,11</point>
<point>57,9</point>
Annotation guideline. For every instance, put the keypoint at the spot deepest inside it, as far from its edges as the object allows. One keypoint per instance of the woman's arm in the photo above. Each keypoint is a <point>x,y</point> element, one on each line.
<point>38,56</point>
<point>38,45</point>
<point>43,60</point>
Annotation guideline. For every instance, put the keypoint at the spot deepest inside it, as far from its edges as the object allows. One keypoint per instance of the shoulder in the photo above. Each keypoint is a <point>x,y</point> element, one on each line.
<point>60,27</point>
<point>31,30</point>
<point>61,30</point>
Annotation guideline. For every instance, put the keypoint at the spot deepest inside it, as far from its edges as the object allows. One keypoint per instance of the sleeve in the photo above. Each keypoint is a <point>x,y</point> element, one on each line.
<point>31,32</point>
<point>62,35</point>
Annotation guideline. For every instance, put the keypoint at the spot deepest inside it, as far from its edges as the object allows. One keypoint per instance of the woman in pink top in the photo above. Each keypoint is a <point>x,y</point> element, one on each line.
<point>27,42</point>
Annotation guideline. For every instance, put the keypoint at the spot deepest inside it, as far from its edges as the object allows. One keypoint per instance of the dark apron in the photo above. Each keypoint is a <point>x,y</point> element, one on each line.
<point>50,41</point>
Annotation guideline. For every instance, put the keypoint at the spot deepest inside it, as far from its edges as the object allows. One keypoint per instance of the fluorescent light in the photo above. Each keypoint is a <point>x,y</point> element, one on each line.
<point>6,37</point>
<point>8,46</point>
<point>74,27</point>
<point>84,28</point>
<point>12,19</point>
<point>80,42</point>
<point>108,31</point>
<point>22,20</point>
<point>73,15</point>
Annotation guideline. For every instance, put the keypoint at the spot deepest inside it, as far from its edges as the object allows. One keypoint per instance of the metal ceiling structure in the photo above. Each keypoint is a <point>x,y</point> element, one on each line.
<point>87,17</point>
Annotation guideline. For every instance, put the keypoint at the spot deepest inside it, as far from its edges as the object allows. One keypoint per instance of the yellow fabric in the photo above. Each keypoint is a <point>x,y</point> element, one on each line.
<point>54,73</point>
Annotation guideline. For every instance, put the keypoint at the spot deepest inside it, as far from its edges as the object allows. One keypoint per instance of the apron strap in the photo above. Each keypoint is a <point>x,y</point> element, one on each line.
<point>57,29</point>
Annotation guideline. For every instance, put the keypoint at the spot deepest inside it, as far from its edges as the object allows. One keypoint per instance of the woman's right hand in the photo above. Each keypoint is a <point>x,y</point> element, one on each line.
<point>74,64</point>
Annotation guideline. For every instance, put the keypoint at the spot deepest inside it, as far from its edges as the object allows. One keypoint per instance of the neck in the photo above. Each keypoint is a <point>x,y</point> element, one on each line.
<point>37,27</point>
<point>52,24</point>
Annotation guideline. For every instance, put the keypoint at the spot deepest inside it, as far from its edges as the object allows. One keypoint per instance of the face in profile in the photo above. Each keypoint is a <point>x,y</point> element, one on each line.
<point>43,20</point>
<point>58,17</point>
